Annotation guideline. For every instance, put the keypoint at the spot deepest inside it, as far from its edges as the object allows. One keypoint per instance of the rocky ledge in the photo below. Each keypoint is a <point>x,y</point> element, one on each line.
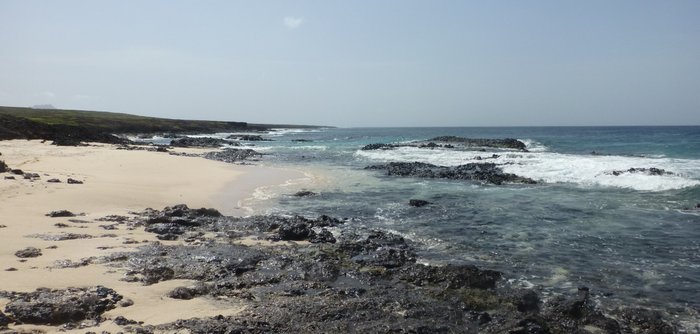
<point>233,155</point>
<point>201,142</point>
<point>484,172</point>
<point>365,281</point>
<point>309,280</point>
<point>450,142</point>
<point>57,307</point>
<point>646,171</point>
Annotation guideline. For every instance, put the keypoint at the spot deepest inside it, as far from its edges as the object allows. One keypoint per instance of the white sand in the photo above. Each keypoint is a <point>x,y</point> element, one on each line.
<point>115,182</point>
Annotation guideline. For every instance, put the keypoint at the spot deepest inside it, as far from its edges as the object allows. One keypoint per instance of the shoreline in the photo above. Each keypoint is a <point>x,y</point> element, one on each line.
<point>115,182</point>
<point>193,270</point>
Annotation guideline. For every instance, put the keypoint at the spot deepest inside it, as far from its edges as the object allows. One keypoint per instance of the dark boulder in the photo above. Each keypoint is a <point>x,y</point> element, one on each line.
<point>183,293</point>
<point>28,252</point>
<point>9,177</point>
<point>60,213</point>
<point>304,193</point>
<point>74,181</point>
<point>200,142</point>
<point>380,249</point>
<point>52,307</point>
<point>53,181</point>
<point>16,171</point>
<point>3,167</point>
<point>121,321</point>
<point>295,231</point>
<point>418,203</point>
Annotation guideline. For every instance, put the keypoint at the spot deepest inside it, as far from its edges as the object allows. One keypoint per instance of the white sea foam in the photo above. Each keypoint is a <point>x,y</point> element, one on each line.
<point>309,148</point>
<point>284,131</point>
<point>549,167</point>
<point>534,146</point>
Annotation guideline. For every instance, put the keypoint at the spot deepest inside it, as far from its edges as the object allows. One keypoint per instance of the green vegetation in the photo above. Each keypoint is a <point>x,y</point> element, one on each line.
<point>70,127</point>
<point>119,123</point>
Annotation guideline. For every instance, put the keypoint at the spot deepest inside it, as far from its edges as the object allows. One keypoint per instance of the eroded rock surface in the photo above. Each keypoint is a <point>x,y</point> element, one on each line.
<point>484,172</point>
<point>367,281</point>
<point>232,155</point>
<point>51,307</point>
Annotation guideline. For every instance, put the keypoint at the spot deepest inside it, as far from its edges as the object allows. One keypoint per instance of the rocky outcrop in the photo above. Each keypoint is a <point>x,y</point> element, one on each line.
<point>201,142</point>
<point>52,307</point>
<point>507,143</point>
<point>367,281</point>
<point>646,171</point>
<point>378,146</point>
<point>484,172</point>
<point>450,142</point>
<point>247,138</point>
<point>233,155</point>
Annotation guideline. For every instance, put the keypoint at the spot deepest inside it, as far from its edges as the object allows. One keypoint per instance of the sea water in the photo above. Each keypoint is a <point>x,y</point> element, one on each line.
<point>632,238</point>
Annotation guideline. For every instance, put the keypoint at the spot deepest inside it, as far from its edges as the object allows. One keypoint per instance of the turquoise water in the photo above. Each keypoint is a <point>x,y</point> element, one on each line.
<point>630,238</point>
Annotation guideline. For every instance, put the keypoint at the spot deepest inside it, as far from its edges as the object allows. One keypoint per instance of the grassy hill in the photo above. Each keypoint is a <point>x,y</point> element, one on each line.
<point>79,125</point>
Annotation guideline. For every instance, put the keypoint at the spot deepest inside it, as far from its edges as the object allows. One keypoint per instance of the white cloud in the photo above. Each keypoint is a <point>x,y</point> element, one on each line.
<point>292,22</point>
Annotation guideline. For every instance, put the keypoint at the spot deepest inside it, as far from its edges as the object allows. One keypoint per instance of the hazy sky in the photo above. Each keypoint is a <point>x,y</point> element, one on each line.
<point>359,63</point>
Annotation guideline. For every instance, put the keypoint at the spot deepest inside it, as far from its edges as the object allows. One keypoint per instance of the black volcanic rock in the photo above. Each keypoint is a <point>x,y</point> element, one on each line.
<point>74,181</point>
<point>52,307</point>
<point>367,281</point>
<point>485,172</point>
<point>28,252</point>
<point>247,138</point>
<point>4,320</point>
<point>304,193</point>
<point>481,142</point>
<point>647,171</point>
<point>418,203</point>
<point>232,155</point>
<point>200,142</point>
<point>60,213</point>
<point>378,146</point>
<point>3,167</point>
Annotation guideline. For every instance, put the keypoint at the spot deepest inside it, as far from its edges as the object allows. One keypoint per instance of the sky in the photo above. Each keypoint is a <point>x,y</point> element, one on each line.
<point>359,63</point>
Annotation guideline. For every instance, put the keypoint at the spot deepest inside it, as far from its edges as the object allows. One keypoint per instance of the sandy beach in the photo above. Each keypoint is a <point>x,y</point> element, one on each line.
<point>115,182</point>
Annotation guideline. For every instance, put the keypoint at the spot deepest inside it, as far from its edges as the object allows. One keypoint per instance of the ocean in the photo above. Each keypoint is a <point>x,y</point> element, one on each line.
<point>632,237</point>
